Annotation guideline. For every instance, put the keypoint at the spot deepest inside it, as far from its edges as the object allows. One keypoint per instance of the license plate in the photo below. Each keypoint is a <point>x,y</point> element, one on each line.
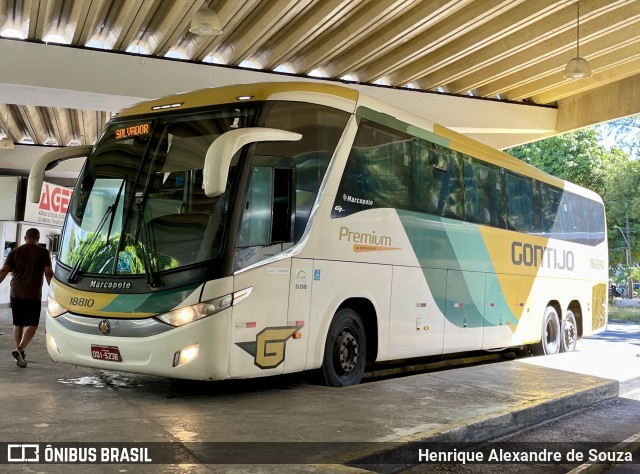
<point>111,353</point>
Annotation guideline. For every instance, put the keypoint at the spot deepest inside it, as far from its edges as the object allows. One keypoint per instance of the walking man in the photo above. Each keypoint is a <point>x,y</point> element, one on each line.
<point>27,264</point>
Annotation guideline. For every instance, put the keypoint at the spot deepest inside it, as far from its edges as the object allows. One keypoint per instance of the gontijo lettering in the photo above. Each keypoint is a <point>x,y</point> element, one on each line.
<point>538,256</point>
<point>132,131</point>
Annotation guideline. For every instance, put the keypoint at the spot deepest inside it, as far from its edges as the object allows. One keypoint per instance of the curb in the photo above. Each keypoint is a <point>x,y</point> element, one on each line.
<point>485,430</point>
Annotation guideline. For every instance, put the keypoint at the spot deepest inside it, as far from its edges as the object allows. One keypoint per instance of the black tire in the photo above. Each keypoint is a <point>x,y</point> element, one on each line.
<point>345,351</point>
<point>550,342</point>
<point>569,333</point>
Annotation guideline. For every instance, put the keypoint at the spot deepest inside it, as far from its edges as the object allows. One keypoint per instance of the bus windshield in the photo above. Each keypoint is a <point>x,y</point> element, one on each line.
<point>139,206</point>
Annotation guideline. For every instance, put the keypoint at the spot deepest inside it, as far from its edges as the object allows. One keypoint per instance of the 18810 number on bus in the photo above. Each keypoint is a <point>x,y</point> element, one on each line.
<point>86,302</point>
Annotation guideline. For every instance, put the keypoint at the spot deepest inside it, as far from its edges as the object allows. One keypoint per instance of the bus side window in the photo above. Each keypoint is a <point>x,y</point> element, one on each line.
<point>501,199</point>
<point>453,202</point>
<point>438,181</point>
<point>256,218</point>
<point>492,185</point>
<point>596,222</point>
<point>519,203</point>
<point>483,195</point>
<point>266,226</point>
<point>556,205</point>
<point>536,217</point>
<point>385,160</point>
<point>282,206</point>
<point>267,212</point>
<point>378,170</point>
<point>472,210</point>
<point>577,218</point>
<point>310,169</point>
<point>427,178</point>
<point>550,198</point>
<point>321,128</point>
<point>564,220</point>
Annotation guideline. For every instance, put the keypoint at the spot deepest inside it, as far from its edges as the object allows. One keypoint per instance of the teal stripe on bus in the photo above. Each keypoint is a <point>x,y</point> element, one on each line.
<point>396,124</point>
<point>158,302</point>
<point>440,245</point>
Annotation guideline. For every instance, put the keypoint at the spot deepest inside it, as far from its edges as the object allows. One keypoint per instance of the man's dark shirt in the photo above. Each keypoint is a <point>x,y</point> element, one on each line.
<point>27,264</point>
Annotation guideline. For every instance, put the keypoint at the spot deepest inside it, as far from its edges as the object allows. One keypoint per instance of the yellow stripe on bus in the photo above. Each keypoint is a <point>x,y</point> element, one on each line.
<point>86,302</point>
<point>231,94</point>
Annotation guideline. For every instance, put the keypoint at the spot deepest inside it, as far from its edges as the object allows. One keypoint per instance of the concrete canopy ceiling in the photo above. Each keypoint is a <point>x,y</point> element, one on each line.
<point>66,66</point>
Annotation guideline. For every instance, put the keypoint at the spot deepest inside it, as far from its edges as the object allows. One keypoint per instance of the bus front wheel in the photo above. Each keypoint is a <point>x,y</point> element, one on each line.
<point>551,333</point>
<point>569,332</point>
<point>345,350</point>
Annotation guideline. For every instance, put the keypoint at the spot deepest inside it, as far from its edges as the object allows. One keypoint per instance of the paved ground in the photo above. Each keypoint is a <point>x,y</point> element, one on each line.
<point>201,427</point>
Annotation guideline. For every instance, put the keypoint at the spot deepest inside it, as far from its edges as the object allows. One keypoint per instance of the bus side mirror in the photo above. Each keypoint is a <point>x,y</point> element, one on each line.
<point>221,151</point>
<point>50,160</point>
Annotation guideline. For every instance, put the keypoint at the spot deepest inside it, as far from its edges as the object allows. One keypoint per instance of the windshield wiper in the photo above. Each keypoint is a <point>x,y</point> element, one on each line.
<point>111,211</point>
<point>115,206</point>
<point>73,276</point>
<point>147,263</point>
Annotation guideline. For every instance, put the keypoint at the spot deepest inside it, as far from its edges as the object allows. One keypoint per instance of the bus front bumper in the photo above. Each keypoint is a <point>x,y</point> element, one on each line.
<point>197,351</point>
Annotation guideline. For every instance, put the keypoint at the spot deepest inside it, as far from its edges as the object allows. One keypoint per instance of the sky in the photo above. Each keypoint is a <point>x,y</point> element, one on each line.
<point>622,133</point>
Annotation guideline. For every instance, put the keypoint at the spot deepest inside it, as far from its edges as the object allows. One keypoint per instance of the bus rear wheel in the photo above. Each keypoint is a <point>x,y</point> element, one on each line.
<point>551,333</point>
<point>345,350</point>
<point>569,332</point>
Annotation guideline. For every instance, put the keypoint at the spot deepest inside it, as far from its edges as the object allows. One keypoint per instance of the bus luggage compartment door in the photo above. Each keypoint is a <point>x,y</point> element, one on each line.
<point>416,325</point>
<point>464,325</point>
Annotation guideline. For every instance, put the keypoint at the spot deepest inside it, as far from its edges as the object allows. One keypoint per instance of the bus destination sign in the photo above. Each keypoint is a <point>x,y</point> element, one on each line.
<point>132,131</point>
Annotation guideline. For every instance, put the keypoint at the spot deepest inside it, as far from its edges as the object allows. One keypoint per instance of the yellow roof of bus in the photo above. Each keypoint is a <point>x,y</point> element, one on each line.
<point>231,94</point>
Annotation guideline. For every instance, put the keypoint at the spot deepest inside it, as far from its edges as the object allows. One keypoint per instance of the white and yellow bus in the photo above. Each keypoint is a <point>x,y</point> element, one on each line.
<point>262,229</point>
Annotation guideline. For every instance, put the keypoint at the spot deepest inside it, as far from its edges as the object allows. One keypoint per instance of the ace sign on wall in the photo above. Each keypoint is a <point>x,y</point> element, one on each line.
<point>52,207</point>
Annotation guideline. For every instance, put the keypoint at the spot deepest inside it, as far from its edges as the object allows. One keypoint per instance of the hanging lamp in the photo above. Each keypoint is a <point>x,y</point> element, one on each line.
<point>6,143</point>
<point>206,23</point>
<point>577,68</point>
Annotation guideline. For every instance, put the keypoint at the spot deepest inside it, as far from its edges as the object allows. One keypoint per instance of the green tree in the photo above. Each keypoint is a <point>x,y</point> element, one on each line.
<point>622,202</point>
<point>621,195</point>
<point>581,158</point>
<point>575,156</point>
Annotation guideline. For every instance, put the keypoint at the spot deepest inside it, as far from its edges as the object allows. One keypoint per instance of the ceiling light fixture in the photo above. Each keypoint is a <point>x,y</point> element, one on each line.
<point>6,143</point>
<point>206,23</point>
<point>577,68</point>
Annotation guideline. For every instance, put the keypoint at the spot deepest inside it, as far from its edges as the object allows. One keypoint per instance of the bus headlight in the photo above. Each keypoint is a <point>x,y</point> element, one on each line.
<point>187,354</point>
<point>52,343</point>
<point>54,308</point>
<point>188,314</point>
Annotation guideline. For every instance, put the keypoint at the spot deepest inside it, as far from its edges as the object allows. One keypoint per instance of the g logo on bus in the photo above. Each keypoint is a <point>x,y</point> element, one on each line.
<point>104,327</point>
<point>269,347</point>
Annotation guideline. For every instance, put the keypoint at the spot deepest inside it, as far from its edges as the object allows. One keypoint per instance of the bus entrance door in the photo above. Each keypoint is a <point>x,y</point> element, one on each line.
<point>259,325</point>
